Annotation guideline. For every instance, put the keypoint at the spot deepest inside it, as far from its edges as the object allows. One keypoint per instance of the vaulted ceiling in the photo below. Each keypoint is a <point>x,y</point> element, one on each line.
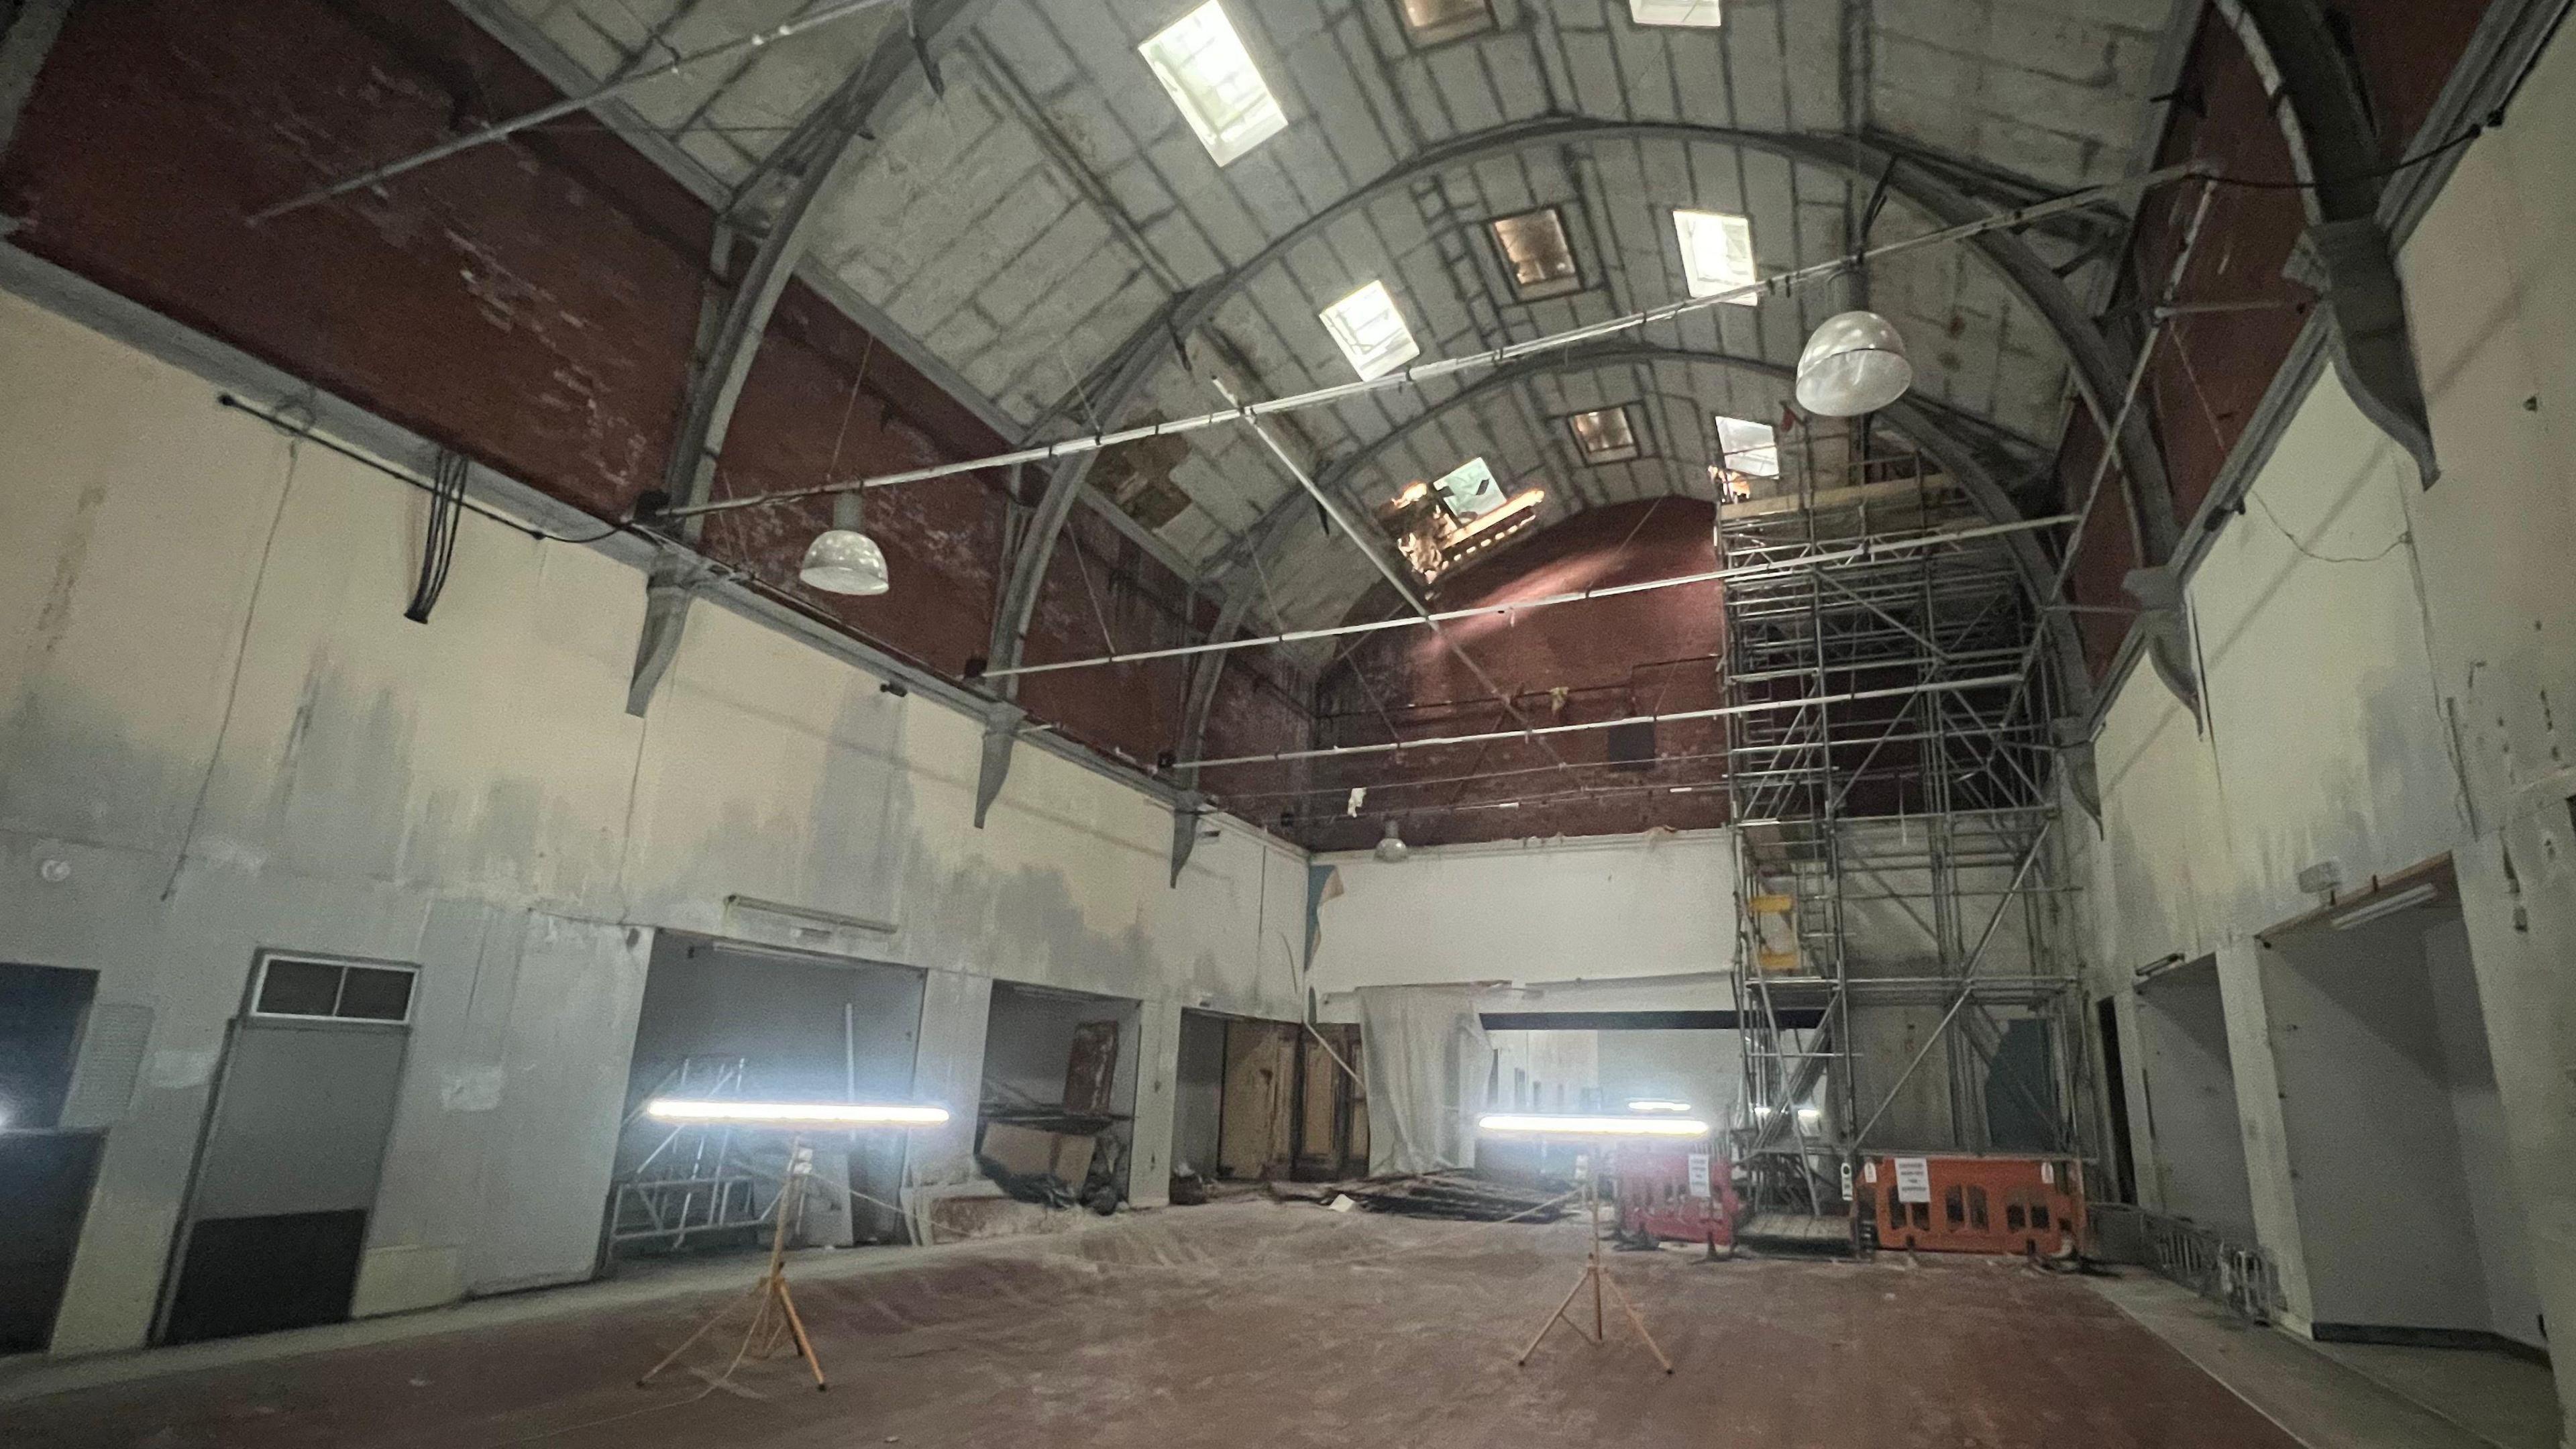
<point>1026,224</point>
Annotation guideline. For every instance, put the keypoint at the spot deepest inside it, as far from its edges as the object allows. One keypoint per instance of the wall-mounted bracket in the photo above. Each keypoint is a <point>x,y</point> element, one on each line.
<point>2350,265</point>
<point>1002,720</point>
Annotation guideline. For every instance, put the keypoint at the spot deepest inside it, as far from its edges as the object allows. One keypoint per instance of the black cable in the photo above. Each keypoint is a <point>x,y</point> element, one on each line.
<point>438,548</point>
<point>306,433</point>
<point>2456,142</point>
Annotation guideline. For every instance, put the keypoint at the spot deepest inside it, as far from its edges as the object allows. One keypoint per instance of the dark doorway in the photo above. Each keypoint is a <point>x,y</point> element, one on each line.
<point>45,1172</point>
<point>2124,1168</point>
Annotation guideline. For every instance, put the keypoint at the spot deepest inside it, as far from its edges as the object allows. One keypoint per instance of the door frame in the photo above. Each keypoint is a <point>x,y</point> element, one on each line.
<point>184,1229</point>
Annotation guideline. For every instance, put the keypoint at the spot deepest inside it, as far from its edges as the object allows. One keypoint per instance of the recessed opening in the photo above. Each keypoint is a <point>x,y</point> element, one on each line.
<point>1605,435</point>
<point>1537,254</point>
<point>1370,332</point>
<point>1717,253</point>
<point>292,986</point>
<point>1431,21</point>
<point>1201,61</point>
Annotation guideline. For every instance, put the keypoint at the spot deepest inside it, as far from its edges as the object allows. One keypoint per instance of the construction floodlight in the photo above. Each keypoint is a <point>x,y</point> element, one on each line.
<point>1543,1124</point>
<point>818,1115</point>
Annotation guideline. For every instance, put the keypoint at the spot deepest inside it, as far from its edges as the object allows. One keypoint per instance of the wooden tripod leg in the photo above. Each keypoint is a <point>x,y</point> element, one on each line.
<point>690,1342</point>
<point>1639,1320</point>
<point>805,1346</point>
<point>1553,1318</point>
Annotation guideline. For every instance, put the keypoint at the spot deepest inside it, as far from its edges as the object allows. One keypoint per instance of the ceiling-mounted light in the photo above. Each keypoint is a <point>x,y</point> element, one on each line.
<point>2405,900</point>
<point>1392,848</point>
<point>842,560</point>
<point>1854,364</point>
<point>795,1114</point>
<point>1550,1125</point>
<point>1658,1104</point>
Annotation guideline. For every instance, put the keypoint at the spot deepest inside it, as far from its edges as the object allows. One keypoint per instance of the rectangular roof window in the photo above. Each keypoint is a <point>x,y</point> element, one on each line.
<point>1749,448</point>
<point>1431,21</point>
<point>1470,490</point>
<point>1605,435</point>
<point>1717,253</point>
<point>1211,77</point>
<point>1674,12</point>
<point>1537,254</point>
<point>1370,332</point>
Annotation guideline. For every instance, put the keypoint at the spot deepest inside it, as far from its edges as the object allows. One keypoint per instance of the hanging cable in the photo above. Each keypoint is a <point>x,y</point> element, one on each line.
<point>304,431</point>
<point>438,545</point>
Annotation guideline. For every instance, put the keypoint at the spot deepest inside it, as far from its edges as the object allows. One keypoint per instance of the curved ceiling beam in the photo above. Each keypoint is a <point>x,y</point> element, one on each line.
<point>1921,424</point>
<point>2334,146</point>
<point>776,204</point>
<point>2098,374</point>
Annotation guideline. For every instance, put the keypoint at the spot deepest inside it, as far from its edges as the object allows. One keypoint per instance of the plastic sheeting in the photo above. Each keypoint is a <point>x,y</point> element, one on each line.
<point>1427,1063</point>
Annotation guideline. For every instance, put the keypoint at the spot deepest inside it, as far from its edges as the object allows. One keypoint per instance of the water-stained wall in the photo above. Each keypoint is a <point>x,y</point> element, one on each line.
<point>219,734</point>
<point>2388,671</point>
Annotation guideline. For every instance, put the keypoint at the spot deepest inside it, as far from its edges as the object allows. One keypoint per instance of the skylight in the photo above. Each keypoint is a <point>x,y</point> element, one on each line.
<point>1431,21</point>
<point>1470,490</point>
<point>1674,12</point>
<point>1604,436</point>
<point>1749,448</point>
<point>1370,332</point>
<point>1211,77</point>
<point>1537,254</point>
<point>1717,253</point>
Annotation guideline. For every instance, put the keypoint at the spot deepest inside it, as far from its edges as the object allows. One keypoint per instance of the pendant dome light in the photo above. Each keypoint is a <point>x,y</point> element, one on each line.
<point>1392,848</point>
<point>843,560</point>
<point>1854,364</point>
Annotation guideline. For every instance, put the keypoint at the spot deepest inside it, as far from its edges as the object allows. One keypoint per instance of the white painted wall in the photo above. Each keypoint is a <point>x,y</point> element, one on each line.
<point>1643,922</point>
<point>213,713</point>
<point>2391,676</point>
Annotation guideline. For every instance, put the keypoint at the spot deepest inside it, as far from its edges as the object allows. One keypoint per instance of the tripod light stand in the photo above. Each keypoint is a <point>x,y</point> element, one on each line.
<point>1594,1275</point>
<point>774,1319</point>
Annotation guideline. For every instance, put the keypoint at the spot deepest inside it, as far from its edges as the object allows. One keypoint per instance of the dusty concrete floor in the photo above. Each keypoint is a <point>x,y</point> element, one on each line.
<point>1250,1322</point>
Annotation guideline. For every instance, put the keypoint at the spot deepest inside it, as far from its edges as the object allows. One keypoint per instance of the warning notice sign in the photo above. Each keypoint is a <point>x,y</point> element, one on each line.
<point>1913,1179</point>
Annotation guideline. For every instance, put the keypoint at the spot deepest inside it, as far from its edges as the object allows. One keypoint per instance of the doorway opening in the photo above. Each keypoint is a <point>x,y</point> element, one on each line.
<point>1266,1101</point>
<point>2192,1119</point>
<point>2409,1220</point>
<point>723,1019</point>
<point>46,1170</point>
<point>1057,1120</point>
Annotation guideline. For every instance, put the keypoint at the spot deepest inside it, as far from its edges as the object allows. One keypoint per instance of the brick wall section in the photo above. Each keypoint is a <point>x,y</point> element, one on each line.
<point>530,304</point>
<point>2213,369</point>
<point>1639,653</point>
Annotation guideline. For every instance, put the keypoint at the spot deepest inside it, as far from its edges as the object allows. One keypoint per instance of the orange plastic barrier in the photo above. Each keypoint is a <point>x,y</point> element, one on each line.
<point>1965,1204</point>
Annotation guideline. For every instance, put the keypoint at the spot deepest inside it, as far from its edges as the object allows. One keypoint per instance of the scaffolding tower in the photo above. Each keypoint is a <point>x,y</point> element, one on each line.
<point>1889,773</point>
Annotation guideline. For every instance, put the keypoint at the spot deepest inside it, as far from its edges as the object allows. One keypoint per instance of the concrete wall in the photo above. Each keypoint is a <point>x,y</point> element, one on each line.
<point>214,715</point>
<point>1642,922</point>
<point>2388,678</point>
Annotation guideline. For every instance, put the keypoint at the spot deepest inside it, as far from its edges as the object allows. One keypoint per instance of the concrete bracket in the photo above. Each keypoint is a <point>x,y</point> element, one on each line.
<point>1185,830</point>
<point>2350,264</point>
<point>2159,594</point>
<point>668,587</point>
<point>1002,721</point>
<point>2079,766</point>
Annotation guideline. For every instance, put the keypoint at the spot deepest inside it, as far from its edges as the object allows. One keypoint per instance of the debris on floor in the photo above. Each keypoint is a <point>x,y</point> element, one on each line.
<point>1465,1196</point>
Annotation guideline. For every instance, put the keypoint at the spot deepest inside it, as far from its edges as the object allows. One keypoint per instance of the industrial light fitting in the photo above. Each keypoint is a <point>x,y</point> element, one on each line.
<point>1553,1125</point>
<point>1657,1104</point>
<point>1391,848</point>
<point>795,1114</point>
<point>2405,900</point>
<point>1854,364</point>
<point>842,560</point>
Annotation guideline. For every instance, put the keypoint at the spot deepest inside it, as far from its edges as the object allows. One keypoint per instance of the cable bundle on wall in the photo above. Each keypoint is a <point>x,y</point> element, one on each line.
<point>438,549</point>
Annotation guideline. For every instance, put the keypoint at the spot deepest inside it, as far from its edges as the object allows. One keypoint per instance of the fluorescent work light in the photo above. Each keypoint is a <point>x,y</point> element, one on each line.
<point>1657,1104</point>
<point>1544,1125</point>
<point>795,1114</point>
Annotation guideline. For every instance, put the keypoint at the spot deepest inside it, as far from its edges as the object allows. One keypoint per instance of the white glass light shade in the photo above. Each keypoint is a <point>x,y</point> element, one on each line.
<point>845,561</point>
<point>1854,364</point>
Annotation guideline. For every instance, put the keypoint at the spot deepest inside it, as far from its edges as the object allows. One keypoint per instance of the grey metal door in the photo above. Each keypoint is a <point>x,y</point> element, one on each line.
<point>293,1150</point>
